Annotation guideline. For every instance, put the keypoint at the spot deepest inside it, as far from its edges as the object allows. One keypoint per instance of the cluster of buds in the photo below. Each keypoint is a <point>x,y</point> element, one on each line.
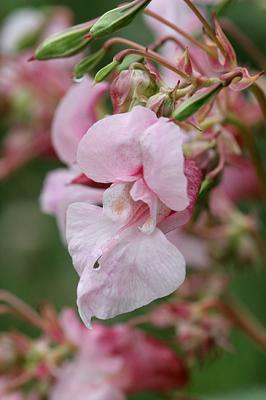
<point>152,179</point>
<point>67,360</point>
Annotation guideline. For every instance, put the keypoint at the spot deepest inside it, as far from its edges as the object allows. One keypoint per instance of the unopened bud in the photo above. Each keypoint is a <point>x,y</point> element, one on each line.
<point>88,63</point>
<point>66,43</point>
<point>106,71</point>
<point>117,18</point>
<point>184,63</point>
<point>162,103</point>
<point>132,87</point>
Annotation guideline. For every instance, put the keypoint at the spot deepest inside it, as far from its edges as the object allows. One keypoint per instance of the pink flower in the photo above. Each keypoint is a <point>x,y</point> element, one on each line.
<point>75,114</point>
<point>123,257</point>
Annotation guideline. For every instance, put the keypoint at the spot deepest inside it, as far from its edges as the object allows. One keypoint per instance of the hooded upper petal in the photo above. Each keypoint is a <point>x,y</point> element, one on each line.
<point>110,150</point>
<point>136,270</point>
<point>74,115</point>
<point>163,163</point>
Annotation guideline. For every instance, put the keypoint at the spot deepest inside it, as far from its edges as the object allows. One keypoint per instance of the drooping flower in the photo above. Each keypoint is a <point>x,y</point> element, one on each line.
<point>123,257</point>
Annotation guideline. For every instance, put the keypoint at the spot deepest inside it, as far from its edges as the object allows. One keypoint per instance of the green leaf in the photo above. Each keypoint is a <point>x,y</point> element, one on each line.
<point>88,63</point>
<point>106,71</point>
<point>66,43</point>
<point>117,18</point>
<point>194,103</point>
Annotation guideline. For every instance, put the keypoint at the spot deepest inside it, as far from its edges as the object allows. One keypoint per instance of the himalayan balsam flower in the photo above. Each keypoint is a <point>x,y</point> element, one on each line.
<point>120,251</point>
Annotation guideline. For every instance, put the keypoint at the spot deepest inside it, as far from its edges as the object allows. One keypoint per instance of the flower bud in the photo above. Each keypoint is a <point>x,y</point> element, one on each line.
<point>88,63</point>
<point>162,103</point>
<point>184,63</point>
<point>66,43</point>
<point>194,103</point>
<point>132,87</point>
<point>117,18</point>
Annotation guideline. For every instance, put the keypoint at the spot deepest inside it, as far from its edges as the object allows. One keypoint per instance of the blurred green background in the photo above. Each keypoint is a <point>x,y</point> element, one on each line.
<point>36,266</point>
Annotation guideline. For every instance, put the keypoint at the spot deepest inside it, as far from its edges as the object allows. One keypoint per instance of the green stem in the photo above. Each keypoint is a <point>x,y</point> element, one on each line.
<point>252,149</point>
<point>259,94</point>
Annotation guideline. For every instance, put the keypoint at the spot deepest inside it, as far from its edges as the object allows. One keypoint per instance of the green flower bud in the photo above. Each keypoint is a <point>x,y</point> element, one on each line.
<point>128,60</point>
<point>88,63</point>
<point>66,43</point>
<point>117,18</point>
<point>106,71</point>
<point>194,103</point>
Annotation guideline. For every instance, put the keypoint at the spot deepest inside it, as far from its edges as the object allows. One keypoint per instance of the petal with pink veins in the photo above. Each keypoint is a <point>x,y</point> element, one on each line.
<point>136,270</point>
<point>110,150</point>
<point>163,163</point>
<point>88,232</point>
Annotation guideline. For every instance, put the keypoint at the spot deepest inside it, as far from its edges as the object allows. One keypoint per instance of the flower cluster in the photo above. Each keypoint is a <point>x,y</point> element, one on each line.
<point>135,178</point>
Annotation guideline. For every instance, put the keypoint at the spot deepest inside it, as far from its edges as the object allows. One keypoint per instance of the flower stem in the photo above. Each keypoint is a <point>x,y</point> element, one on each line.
<point>205,23</point>
<point>180,31</point>
<point>241,318</point>
<point>244,41</point>
<point>22,309</point>
<point>252,149</point>
<point>151,55</point>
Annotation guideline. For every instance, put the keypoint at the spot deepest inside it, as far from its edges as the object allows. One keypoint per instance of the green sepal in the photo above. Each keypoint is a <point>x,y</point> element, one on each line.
<point>117,18</point>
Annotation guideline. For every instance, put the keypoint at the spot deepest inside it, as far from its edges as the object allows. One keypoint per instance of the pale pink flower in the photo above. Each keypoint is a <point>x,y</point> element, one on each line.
<point>123,257</point>
<point>76,112</point>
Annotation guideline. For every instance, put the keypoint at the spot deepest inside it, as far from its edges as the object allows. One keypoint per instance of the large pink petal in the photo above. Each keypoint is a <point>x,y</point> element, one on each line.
<point>75,114</point>
<point>88,231</point>
<point>163,163</point>
<point>110,150</point>
<point>136,270</point>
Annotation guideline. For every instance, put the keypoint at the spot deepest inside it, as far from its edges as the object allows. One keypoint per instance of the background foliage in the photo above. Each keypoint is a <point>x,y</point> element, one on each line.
<point>35,265</point>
